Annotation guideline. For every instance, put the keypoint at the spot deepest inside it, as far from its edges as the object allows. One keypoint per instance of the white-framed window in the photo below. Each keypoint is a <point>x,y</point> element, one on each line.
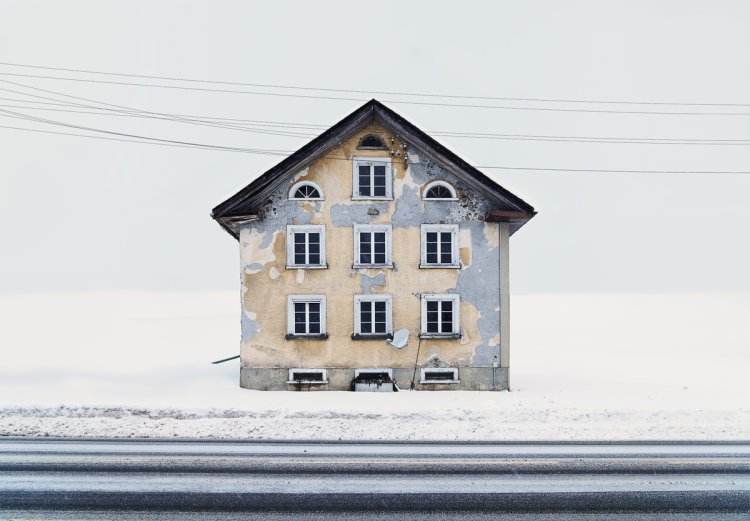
<point>439,375</point>
<point>306,316</point>
<point>439,191</point>
<point>372,178</point>
<point>306,246</point>
<point>305,191</point>
<point>440,316</point>
<point>439,246</point>
<point>300,375</point>
<point>372,245</point>
<point>372,315</point>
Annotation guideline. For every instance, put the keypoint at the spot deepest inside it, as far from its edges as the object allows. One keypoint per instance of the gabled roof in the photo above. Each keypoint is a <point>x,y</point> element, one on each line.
<point>243,206</point>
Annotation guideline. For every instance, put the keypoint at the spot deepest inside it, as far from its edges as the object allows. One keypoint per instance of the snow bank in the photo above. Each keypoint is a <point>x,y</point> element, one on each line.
<point>597,366</point>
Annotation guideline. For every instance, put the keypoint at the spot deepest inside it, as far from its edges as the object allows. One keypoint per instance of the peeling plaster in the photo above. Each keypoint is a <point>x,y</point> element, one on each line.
<point>346,215</point>
<point>368,282</point>
<point>274,273</point>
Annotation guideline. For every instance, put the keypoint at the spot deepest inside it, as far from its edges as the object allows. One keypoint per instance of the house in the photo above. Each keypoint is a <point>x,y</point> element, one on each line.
<point>374,228</point>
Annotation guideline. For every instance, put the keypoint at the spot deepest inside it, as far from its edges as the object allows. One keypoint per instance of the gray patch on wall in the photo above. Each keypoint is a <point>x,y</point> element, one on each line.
<point>368,282</point>
<point>345,215</point>
<point>411,210</point>
<point>479,284</point>
<point>250,327</point>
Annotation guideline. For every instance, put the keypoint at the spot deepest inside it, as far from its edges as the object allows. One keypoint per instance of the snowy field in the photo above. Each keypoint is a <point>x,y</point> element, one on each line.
<point>593,366</point>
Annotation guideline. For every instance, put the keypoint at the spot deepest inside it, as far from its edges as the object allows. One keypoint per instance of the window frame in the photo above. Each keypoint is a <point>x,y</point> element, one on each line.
<point>440,228</point>
<point>356,162</point>
<point>374,228</point>
<point>379,297</point>
<point>453,297</point>
<point>297,186</point>
<point>444,184</point>
<point>296,299</point>
<point>425,370</point>
<point>291,229</point>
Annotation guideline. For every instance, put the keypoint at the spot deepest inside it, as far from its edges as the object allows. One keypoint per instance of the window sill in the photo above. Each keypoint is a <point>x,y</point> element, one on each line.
<point>308,382</point>
<point>379,336</point>
<point>373,198</point>
<point>437,266</point>
<point>440,381</point>
<point>311,267</point>
<point>290,336</point>
<point>437,336</point>
<point>369,266</point>
<point>445,200</point>
<point>306,199</point>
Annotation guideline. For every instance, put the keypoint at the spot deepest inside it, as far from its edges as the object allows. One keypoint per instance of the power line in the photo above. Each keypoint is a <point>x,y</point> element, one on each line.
<point>397,102</point>
<point>464,135</point>
<point>181,144</point>
<point>390,93</point>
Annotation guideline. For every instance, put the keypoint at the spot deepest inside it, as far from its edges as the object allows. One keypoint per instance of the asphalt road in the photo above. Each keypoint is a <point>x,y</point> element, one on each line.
<point>102,479</point>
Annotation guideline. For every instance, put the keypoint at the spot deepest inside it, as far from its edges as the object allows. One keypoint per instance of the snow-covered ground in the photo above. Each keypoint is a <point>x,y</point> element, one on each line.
<point>589,366</point>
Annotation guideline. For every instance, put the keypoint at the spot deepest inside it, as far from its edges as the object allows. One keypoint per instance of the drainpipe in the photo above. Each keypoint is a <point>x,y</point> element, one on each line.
<point>495,363</point>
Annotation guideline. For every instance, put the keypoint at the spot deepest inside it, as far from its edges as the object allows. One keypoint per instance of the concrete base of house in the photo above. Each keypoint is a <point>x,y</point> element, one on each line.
<point>341,378</point>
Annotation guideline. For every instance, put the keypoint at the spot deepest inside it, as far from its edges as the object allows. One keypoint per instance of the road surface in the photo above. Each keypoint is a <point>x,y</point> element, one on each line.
<point>111,479</point>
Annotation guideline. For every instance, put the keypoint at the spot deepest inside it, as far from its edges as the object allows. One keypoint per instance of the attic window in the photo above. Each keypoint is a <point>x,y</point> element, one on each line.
<point>440,190</point>
<point>306,190</point>
<point>371,142</point>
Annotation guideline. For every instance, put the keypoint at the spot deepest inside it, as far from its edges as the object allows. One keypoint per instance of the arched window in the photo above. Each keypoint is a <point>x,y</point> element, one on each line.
<point>440,190</point>
<point>371,142</point>
<point>306,190</point>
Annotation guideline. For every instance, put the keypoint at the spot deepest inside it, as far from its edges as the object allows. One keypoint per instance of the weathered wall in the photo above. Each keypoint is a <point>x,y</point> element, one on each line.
<point>266,281</point>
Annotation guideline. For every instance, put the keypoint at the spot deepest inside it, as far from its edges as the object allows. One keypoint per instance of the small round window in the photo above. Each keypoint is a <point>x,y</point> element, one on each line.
<point>306,190</point>
<point>439,190</point>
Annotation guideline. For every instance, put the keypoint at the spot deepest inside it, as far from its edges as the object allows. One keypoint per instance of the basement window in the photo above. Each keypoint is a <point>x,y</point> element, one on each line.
<point>306,246</point>
<point>306,316</point>
<point>439,246</point>
<point>372,178</point>
<point>439,375</point>
<point>372,316</point>
<point>440,316</point>
<point>372,245</point>
<point>440,191</point>
<point>306,190</point>
<point>308,376</point>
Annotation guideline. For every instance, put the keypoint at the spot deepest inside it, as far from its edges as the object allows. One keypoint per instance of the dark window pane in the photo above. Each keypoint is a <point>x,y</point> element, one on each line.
<point>314,307</point>
<point>312,192</point>
<point>313,238</point>
<point>380,306</point>
<point>299,238</point>
<point>432,327</point>
<point>299,258</point>
<point>380,327</point>
<point>299,248</point>
<point>366,328</point>
<point>432,305</point>
<point>365,306</point>
<point>365,258</point>
<point>379,191</point>
<point>447,305</point>
<point>447,316</point>
<point>379,258</point>
<point>314,248</point>
<point>379,175</point>
<point>447,327</point>
<point>314,318</point>
<point>314,259</point>
<point>432,258</point>
<point>432,316</point>
<point>314,329</point>
<point>299,328</point>
<point>299,307</point>
<point>380,316</point>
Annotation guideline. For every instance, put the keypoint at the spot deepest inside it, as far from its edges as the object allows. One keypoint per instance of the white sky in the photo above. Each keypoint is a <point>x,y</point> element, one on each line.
<point>81,214</point>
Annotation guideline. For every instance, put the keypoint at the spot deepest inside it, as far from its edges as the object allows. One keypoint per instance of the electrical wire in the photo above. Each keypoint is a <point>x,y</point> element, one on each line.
<point>390,93</point>
<point>396,102</point>
<point>259,128</point>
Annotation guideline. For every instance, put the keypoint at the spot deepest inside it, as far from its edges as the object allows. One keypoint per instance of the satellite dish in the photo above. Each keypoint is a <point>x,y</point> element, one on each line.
<point>400,338</point>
